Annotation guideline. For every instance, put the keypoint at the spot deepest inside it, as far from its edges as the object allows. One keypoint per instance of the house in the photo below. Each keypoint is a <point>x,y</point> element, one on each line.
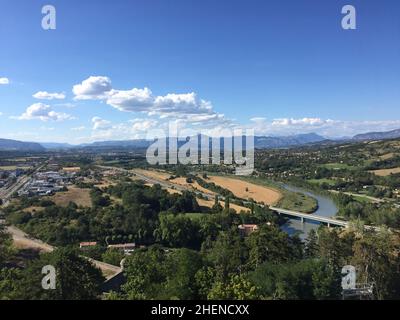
<point>247,229</point>
<point>84,245</point>
<point>127,248</point>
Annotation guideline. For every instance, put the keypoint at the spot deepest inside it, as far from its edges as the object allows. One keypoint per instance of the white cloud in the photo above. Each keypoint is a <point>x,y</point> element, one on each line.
<point>42,112</point>
<point>4,80</point>
<point>44,95</point>
<point>143,124</point>
<point>100,124</point>
<point>324,127</point>
<point>93,88</point>
<point>135,100</point>
<point>185,106</point>
<point>65,105</point>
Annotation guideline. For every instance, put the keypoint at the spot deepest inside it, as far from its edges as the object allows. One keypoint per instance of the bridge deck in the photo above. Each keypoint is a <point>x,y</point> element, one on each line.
<point>312,217</point>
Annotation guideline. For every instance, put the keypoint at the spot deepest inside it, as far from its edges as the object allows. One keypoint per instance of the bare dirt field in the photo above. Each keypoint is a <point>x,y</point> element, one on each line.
<point>386,172</point>
<point>80,196</point>
<point>246,190</point>
<point>387,156</point>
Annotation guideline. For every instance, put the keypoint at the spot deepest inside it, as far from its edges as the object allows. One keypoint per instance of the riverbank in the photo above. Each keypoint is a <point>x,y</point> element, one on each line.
<point>290,200</point>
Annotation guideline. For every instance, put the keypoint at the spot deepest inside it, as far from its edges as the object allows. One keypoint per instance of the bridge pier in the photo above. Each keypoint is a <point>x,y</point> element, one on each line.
<point>302,220</point>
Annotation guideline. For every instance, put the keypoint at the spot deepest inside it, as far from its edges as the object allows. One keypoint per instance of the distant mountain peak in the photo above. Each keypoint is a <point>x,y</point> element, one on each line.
<point>393,134</point>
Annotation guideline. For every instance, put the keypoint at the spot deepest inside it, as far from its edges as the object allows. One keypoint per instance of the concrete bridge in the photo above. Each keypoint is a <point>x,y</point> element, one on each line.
<point>311,217</point>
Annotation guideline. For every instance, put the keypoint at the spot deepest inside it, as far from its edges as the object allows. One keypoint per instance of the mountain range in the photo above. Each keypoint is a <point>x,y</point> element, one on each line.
<point>14,145</point>
<point>260,142</point>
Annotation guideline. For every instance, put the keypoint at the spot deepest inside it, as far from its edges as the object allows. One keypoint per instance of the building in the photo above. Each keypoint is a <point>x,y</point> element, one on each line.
<point>84,245</point>
<point>127,248</point>
<point>247,229</point>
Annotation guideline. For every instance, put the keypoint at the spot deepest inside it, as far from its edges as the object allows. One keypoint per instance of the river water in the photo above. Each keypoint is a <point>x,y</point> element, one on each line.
<point>326,208</point>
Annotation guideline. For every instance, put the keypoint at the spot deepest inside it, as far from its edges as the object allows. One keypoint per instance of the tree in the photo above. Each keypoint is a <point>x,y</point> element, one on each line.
<point>311,245</point>
<point>377,259</point>
<point>76,277</point>
<point>227,203</point>
<point>182,266</point>
<point>145,274</point>
<point>113,256</point>
<point>178,231</point>
<point>271,244</point>
<point>306,279</point>
<point>227,254</point>
<point>237,288</point>
<point>10,284</point>
<point>5,245</point>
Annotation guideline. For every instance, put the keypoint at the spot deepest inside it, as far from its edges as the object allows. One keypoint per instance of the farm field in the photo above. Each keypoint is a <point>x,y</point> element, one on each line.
<point>337,166</point>
<point>247,190</point>
<point>386,172</point>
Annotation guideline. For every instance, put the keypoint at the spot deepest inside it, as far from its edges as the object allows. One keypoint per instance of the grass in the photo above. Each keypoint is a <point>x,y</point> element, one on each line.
<point>80,196</point>
<point>298,202</point>
<point>321,181</point>
<point>10,168</point>
<point>337,166</point>
<point>361,198</point>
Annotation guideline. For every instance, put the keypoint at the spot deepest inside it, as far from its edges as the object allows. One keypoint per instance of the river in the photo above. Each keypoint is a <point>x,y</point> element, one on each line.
<point>326,208</point>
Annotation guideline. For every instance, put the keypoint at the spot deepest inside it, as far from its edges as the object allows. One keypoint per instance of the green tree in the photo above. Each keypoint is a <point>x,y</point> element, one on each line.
<point>377,259</point>
<point>76,277</point>
<point>271,244</point>
<point>182,266</point>
<point>113,256</point>
<point>227,254</point>
<point>237,288</point>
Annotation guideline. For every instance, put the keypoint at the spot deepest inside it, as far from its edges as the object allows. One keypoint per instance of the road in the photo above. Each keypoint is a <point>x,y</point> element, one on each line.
<point>373,199</point>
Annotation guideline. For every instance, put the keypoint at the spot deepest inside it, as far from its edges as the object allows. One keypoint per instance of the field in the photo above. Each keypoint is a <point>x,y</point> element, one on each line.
<point>321,181</point>
<point>80,196</point>
<point>71,169</point>
<point>12,168</point>
<point>337,166</point>
<point>247,190</point>
<point>386,172</point>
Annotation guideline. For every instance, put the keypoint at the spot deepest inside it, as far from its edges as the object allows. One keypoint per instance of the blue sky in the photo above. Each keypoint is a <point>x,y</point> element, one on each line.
<point>280,67</point>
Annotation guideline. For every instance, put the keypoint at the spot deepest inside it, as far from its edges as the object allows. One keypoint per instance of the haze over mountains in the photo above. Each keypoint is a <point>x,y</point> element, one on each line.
<point>260,142</point>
